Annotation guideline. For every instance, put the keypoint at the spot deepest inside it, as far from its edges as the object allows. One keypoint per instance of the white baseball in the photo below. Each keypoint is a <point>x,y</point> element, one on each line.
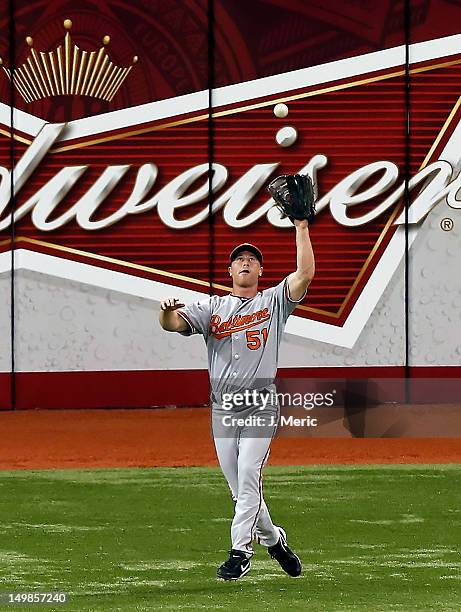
<point>286,136</point>
<point>281,110</point>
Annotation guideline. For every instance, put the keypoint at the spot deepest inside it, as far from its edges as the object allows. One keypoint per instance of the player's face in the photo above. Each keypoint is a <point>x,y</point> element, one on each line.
<point>245,270</point>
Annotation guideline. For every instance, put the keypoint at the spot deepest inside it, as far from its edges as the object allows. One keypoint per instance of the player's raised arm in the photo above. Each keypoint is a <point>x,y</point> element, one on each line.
<point>294,196</point>
<point>300,280</point>
<point>169,319</point>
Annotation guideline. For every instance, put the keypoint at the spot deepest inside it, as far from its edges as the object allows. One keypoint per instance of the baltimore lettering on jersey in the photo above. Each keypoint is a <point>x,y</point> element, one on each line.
<point>236,323</point>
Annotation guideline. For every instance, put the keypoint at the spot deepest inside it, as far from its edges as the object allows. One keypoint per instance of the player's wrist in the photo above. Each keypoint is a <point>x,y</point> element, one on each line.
<point>301,223</point>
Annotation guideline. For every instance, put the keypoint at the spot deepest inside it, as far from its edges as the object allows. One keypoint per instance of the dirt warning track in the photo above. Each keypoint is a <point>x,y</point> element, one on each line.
<point>45,439</point>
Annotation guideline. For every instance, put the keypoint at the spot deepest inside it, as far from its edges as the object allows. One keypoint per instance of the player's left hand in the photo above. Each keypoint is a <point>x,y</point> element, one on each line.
<point>294,196</point>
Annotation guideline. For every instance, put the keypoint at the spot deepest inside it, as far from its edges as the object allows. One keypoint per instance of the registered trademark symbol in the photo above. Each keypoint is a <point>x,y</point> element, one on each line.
<point>447,224</point>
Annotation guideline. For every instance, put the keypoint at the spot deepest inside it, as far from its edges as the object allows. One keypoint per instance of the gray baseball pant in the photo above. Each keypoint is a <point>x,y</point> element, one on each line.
<point>242,453</point>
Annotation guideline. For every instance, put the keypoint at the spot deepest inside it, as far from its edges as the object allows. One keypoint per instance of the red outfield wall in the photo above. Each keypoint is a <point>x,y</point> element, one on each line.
<point>83,390</point>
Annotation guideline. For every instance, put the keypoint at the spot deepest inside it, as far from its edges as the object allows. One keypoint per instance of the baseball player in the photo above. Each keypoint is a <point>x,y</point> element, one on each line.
<point>242,331</point>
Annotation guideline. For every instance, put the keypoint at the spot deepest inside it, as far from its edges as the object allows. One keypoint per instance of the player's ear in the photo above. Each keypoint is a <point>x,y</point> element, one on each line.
<point>261,271</point>
<point>230,271</point>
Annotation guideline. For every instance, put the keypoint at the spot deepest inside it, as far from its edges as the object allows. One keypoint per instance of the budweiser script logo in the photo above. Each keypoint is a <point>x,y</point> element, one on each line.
<point>436,182</point>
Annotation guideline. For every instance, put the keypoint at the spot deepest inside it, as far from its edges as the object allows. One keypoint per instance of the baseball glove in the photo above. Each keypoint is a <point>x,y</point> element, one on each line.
<point>294,196</point>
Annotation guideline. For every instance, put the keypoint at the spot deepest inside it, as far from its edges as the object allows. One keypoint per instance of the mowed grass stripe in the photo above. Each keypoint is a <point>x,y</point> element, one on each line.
<point>370,537</point>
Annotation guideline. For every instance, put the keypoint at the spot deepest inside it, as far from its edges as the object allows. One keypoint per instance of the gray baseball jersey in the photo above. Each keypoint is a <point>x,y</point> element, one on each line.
<point>242,336</point>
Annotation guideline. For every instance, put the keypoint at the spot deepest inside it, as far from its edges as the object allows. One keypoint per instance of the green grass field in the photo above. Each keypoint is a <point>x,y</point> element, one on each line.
<point>371,538</point>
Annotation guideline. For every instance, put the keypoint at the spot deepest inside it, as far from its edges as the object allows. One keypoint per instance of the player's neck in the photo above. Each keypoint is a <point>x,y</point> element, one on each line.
<point>246,292</point>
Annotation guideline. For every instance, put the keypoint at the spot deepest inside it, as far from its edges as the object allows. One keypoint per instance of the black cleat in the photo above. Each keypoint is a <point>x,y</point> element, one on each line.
<point>235,567</point>
<point>289,562</point>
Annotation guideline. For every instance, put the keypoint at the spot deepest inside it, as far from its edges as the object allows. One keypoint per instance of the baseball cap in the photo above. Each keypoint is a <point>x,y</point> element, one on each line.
<point>246,246</point>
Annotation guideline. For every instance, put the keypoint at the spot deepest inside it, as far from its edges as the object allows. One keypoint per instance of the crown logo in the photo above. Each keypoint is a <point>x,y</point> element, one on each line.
<point>68,72</point>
